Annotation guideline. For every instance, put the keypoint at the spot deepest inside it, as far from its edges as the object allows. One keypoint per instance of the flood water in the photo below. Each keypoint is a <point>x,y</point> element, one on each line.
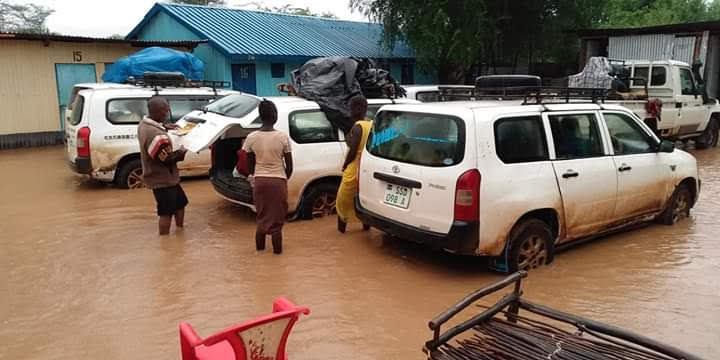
<point>84,275</point>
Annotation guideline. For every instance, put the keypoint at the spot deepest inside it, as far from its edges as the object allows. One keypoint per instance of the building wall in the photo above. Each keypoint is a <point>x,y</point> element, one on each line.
<point>28,94</point>
<point>218,66</point>
<point>164,27</point>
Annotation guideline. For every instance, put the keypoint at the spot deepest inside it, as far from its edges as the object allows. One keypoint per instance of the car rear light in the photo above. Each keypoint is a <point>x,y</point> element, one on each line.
<point>467,196</point>
<point>83,142</point>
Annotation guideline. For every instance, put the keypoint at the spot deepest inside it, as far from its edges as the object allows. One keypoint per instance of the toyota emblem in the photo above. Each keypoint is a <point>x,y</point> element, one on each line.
<point>396,169</point>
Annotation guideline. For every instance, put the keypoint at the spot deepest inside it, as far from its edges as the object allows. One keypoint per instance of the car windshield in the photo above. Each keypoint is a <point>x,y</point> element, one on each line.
<point>416,138</point>
<point>236,105</point>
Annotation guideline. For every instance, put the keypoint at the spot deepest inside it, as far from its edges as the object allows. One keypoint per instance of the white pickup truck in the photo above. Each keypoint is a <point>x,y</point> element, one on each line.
<point>685,112</point>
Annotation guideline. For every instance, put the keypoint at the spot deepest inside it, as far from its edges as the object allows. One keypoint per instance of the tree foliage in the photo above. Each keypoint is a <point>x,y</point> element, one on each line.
<point>200,2</point>
<point>637,13</point>
<point>28,18</point>
<point>455,36</point>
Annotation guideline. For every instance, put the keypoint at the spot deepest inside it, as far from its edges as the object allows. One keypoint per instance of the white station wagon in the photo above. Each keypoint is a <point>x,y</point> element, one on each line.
<point>515,182</point>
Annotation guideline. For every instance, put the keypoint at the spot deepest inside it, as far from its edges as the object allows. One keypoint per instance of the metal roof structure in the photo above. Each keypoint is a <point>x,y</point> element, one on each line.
<point>67,38</point>
<point>242,32</point>
<point>713,26</point>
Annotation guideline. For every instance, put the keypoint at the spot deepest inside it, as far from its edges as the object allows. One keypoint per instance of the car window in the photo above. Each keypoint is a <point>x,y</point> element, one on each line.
<point>73,95</point>
<point>126,111</point>
<point>416,138</point>
<point>372,110</point>
<point>308,127</point>
<point>236,105</point>
<point>659,76</point>
<point>576,136</point>
<point>627,136</point>
<point>428,96</point>
<point>641,72</point>
<point>520,139</point>
<point>182,106</point>
<point>77,111</point>
<point>686,82</point>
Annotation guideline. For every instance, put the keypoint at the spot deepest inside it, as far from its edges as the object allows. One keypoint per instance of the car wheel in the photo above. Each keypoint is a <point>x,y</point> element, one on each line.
<point>678,206</point>
<point>319,201</point>
<point>130,175</point>
<point>531,245</point>
<point>709,137</point>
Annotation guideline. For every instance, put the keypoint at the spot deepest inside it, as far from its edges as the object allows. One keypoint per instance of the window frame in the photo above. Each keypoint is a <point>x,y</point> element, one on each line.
<point>291,122</point>
<point>601,131</point>
<point>651,69</point>
<point>638,125</point>
<point>169,98</point>
<point>692,81</point>
<point>273,73</point>
<point>544,137</point>
<point>461,141</point>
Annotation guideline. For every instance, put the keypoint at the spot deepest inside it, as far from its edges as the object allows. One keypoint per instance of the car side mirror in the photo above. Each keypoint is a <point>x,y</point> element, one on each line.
<point>666,146</point>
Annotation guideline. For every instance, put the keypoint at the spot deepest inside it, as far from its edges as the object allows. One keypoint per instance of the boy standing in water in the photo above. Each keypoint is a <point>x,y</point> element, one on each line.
<point>159,164</point>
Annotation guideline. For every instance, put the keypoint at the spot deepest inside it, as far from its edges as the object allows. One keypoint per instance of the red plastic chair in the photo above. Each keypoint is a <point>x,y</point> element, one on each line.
<point>261,339</point>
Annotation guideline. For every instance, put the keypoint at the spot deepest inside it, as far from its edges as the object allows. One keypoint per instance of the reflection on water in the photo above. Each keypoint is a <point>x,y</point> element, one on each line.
<point>85,276</point>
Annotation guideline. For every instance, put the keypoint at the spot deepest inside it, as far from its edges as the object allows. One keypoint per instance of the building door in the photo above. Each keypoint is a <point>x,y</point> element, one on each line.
<point>67,75</point>
<point>243,78</point>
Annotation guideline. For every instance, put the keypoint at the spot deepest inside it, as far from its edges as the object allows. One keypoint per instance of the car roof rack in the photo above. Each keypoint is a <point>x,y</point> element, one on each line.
<point>161,80</point>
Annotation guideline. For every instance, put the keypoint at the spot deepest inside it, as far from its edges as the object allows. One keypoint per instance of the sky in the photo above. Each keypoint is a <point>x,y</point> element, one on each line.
<point>100,18</point>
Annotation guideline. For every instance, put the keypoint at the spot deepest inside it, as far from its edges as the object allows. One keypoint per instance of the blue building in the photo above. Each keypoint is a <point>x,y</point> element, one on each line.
<point>256,50</point>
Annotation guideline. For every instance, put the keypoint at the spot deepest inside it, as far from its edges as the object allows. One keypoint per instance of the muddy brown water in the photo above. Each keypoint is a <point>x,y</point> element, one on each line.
<point>85,277</point>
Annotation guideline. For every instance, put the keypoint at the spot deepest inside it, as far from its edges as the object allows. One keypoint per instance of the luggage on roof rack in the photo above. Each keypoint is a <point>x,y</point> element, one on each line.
<point>158,80</point>
<point>333,81</point>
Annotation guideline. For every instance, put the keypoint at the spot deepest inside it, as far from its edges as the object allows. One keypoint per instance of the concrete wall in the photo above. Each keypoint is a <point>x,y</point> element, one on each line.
<point>28,86</point>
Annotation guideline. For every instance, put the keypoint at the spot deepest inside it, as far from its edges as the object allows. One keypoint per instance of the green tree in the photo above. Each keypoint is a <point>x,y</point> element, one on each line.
<point>201,2</point>
<point>637,13</point>
<point>453,36</point>
<point>29,18</point>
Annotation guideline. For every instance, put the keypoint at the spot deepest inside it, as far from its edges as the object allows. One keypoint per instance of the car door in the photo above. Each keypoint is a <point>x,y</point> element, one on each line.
<point>585,172</point>
<point>642,172</point>
<point>316,147</point>
<point>691,110</point>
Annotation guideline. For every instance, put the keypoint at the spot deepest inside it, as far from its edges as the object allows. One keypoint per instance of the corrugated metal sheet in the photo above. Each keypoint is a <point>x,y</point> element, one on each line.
<point>243,32</point>
<point>652,47</point>
<point>684,49</point>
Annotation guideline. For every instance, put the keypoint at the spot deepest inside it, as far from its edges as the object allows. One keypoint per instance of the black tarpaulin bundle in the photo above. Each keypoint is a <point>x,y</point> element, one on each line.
<point>333,81</point>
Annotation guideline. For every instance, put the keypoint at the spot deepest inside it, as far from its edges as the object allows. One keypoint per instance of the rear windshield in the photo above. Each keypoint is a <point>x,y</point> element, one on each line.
<point>73,95</point>
<point>236,105</point>
<point>415,138</point>
<point>77,111</point>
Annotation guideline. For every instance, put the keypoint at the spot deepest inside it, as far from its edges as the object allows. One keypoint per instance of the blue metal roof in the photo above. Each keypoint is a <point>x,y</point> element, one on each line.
<point>243,32</point>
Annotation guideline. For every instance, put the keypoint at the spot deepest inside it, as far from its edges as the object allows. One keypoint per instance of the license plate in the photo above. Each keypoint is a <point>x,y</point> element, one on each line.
<point>396,195</point>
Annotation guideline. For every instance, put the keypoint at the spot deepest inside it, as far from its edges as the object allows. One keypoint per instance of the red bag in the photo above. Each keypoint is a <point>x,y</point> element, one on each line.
<point>242,165</point>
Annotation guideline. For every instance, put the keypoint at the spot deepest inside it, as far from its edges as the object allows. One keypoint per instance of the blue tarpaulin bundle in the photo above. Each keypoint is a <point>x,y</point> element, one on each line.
<point>155,59</point>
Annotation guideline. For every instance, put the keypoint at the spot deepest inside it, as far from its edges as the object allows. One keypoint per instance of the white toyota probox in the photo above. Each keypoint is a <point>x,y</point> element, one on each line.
<point>101,130</point>
<point>514,181</point>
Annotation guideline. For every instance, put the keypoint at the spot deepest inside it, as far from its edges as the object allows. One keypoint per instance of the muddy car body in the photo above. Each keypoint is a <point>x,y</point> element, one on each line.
<point>101,131</point>
<point>318,148</point>
<point>513,181</point>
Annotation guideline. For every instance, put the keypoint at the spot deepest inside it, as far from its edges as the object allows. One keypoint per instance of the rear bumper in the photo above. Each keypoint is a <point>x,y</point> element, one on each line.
<point>81,165</point>
<point>239,191</point>
<point>462,238</point>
